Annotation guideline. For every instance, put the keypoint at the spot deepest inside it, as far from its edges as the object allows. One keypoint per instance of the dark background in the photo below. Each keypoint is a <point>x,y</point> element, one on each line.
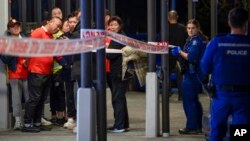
<point>134,13</point>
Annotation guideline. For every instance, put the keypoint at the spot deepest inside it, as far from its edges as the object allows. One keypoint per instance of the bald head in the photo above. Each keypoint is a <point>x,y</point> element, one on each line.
<point>172,16</point>
<point>56,12</point>
<point>53,25</point>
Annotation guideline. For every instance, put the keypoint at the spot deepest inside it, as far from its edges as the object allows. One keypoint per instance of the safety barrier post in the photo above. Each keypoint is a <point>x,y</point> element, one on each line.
<point>86,114</point>
<point>151,105</point>
<point>165,68</point>
<point>3,86</point>
<point>86,97</point>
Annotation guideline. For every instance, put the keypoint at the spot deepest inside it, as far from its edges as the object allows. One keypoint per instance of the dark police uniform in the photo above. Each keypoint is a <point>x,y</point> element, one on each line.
<point>227,58</point>
<point>191,83</point>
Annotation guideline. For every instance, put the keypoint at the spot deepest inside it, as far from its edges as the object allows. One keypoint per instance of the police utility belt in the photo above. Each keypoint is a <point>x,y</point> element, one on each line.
<point>235,88</point>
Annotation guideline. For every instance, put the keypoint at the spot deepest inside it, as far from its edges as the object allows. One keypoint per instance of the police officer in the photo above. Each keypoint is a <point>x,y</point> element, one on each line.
<point>227,58</point>
<point>190,58</point>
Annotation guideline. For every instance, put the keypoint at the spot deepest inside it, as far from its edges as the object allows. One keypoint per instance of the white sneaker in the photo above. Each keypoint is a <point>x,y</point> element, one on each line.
<point>18,125</point>
<point>45,122</point>
<point>70,123</point>
<point>115,130</point>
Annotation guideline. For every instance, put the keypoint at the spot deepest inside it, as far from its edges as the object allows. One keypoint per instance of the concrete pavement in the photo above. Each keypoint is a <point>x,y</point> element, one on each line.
<point>136,108</point>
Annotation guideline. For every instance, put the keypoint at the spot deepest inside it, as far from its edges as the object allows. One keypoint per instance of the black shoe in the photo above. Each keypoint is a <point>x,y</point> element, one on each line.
<point>190,131</point>
<point>44,128</point>
<point>127,129</point>
<point>54,121</point>
<point>60,121</point>
<point>31,129</point>
<point>110,128</point>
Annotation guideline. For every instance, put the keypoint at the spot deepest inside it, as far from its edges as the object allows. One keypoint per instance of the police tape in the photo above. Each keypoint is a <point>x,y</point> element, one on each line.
<point>90,40</point>
<point>38,47</point>
<point>139,45</point>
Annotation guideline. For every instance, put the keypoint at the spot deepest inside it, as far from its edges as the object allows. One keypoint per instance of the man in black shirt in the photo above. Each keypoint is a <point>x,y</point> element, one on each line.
<point>177,37</point>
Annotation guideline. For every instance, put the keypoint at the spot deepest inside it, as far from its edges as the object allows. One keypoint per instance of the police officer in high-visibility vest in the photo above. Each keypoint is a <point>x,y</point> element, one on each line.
<point>190,58</point>
<point>227,59</point>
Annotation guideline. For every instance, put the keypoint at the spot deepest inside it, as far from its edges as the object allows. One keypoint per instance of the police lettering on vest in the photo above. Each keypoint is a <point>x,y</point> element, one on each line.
<point>237,52</point>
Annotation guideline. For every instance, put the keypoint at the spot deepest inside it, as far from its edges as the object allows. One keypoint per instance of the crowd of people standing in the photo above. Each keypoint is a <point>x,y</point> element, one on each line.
<point>35,78</point>
<point>58,77</point>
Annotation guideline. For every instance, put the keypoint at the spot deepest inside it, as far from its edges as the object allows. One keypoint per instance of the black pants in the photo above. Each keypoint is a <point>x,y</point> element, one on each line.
<point>119,103</point>
<point>109,82</point>
<point>179,82</point>
<point>57,93</point>
<point>70,98</point>
<point>39,88</point>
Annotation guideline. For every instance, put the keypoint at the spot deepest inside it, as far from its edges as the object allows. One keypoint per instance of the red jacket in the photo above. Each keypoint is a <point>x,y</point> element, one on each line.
<point>107,61</point>
<point>40,65</point>
<point>21,71</point>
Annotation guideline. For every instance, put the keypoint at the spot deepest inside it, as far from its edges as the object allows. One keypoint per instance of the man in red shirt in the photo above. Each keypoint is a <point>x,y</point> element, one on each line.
<point>39,78</point>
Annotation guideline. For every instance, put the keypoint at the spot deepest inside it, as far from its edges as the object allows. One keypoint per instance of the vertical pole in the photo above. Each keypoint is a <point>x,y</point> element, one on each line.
<point>77,4</point>
<point>190,9</point>
<point>86,99</point>
<point>165,68</point>
<point>3,87</point>
<point>23,11</point>
<point>213,17</point>
<point>151,105</point>
<point>4,105</point>
<point>67,8</point>
<point>9,9</point>
<point>101,78</point>
<point>86,73</point>
<point>92,14</point>
<point>111,7</point>
<point>52,4</point>
<point>152,100</point>
<point>38,11</point>
<point>233,3</point>
<point>194,9</point>
<point>173,5</point>
<point>86,118</point>
<point>151,31</point>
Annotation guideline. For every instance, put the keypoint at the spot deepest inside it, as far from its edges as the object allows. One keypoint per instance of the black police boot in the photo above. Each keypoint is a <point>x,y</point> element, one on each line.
<point>190,131</point>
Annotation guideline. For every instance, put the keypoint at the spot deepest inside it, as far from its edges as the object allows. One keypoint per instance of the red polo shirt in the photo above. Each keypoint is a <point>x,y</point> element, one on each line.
<point>41,65</point>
